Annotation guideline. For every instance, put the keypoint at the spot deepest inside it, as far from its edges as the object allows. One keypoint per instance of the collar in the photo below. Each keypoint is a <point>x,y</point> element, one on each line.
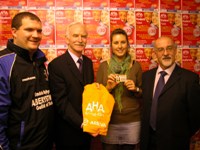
<point>38,55</point>
<point>74,57</point>
<point>168,70</point>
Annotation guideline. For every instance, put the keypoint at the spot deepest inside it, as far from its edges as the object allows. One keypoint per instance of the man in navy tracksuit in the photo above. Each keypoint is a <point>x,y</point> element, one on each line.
<point>26,107</point>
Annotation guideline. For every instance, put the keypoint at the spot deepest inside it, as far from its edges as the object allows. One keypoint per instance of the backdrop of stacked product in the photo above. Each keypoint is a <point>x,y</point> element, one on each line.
<point>143,20</point>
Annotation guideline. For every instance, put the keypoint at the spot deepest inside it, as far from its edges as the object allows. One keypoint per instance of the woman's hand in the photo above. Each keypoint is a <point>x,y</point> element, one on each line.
<point>130,85</point>
<point>111,82</point>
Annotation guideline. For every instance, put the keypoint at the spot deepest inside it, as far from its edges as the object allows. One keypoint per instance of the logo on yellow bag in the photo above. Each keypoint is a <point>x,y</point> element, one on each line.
<point>95,106</point>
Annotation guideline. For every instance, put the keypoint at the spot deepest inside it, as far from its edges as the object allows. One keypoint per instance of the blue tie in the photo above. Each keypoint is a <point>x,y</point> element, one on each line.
<point>80,61</point>
<point>159,87</point>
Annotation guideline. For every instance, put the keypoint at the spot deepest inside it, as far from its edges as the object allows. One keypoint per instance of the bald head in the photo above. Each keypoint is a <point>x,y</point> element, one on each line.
<point>165,50</point>
<point>164,38</point>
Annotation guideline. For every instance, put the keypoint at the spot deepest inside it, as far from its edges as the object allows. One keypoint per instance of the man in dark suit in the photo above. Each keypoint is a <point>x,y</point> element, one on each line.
<point>67,84</point>
<point>169,123</point>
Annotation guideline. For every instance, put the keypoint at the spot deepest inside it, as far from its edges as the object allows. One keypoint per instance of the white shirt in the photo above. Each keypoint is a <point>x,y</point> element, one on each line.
<point>166,77</point>
<point>75,58</point>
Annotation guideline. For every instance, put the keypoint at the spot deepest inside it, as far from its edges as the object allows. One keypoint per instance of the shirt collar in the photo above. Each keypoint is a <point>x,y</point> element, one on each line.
<point>168,70</point>
<point>74,57</point>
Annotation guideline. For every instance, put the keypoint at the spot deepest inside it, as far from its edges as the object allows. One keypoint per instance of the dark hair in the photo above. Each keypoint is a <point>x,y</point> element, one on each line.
<point>17,20</point>
<point>119,31</point>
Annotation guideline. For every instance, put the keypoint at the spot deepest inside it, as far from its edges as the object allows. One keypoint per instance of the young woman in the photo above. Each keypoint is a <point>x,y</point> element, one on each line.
<point>122,77</point>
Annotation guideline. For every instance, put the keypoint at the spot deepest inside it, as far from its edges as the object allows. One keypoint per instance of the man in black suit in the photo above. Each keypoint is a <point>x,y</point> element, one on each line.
<point>177,113</point>
<point>67,84</point>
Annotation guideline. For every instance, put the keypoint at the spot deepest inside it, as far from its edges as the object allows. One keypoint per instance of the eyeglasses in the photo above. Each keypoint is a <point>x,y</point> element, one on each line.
<point>169,48</point>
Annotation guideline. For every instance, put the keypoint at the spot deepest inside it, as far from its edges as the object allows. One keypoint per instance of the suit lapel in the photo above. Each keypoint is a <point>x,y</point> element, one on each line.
<point>73,68</point>
<point>151,81</point>
<point>173,79</point>
<point>85,70</point>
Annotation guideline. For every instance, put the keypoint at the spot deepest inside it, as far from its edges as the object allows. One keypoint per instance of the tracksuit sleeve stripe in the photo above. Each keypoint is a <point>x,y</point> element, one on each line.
<point>6,64</point>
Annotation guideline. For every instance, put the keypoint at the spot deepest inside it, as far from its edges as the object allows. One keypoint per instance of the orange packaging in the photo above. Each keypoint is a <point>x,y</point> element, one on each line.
<point>97,108</point>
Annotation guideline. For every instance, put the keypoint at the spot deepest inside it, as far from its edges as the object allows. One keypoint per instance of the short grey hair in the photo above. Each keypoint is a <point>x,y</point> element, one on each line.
<point>70,25</point>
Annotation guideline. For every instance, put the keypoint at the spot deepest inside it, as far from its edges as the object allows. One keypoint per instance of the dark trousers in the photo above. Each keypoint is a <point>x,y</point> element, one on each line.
<point>74,147</point>
<point>152,140</point>
<point>118,146</point>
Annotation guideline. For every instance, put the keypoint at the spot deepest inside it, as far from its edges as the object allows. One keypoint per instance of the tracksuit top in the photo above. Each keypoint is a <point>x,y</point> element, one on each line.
<point>26,107</point>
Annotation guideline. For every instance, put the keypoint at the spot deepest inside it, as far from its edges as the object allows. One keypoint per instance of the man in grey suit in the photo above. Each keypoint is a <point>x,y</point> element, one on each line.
<point>170,119</point>
<point>67,84</point>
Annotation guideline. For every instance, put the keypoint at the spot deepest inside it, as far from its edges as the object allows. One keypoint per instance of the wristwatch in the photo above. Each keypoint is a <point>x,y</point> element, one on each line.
<point>137,89</point>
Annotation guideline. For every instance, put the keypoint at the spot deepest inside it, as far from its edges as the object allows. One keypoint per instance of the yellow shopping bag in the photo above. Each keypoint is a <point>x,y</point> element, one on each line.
<point>97,107</point>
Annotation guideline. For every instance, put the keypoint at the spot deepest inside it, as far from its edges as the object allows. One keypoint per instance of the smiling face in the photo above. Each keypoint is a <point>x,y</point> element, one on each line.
<point>193,53</point>
<point>13,13</point>
<point>165,51</point>
<point>105,17</point>
<point>119,46</point>
<point>148,53</point>
<point>155,18</point>
<point>96,15</point>
<point>76,38</point>
<point>50,16</point>
<point>193,19</point>
<point>178,20</point>
<point>132,52</point>
<point>78,16</point>
<point>148,16</point>
<point>51,54</point>
<point>28,35</point>
<point>171,18</point>
<point>130,17</point>
<point>97,53</point>
<point>105,53</point>
<point>69,14</point>
<point>178,55</point>
<point>122,16</point>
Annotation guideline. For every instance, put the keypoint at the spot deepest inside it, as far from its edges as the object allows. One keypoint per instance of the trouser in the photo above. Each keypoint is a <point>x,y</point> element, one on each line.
<point>106,146</point>
<point>152,140</point>
<point>74,147</point>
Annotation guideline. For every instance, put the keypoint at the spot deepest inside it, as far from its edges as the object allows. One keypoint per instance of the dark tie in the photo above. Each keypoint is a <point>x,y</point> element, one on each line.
<point>80,61</point>
<point>159,87</point>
